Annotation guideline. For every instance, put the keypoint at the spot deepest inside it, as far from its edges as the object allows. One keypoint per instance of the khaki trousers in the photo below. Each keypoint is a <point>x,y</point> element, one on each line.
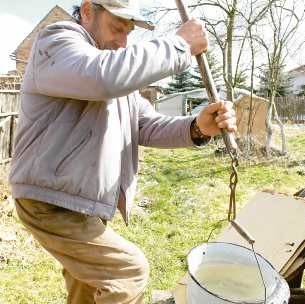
<point>99,266</point>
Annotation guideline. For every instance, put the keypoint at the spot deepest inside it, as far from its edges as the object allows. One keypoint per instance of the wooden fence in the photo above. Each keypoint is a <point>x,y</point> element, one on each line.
<point>9,103</point>
<point>291,109</point>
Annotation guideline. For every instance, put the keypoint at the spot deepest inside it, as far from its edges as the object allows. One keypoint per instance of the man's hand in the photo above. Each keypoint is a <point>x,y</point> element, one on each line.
<point>195,34</point>
<point>216,116</point>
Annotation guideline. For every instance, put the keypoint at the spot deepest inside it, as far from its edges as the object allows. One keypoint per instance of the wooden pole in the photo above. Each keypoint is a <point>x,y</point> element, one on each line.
<point>208,81</point>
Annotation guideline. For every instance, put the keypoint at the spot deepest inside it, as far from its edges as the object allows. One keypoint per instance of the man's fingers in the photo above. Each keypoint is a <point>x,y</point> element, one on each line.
<point>225,105</point>
<point>213,107</point>
<point>224,116</point>
<point>229,124</point>
<point>219,107</point>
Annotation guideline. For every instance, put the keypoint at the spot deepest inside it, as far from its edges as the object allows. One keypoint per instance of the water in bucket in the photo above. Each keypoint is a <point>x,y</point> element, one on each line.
<point>223,273</point>
<point>237,282</point>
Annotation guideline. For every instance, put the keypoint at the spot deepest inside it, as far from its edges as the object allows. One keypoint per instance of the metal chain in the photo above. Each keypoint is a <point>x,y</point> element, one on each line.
<point>233,183</point>
<point>232,214</point>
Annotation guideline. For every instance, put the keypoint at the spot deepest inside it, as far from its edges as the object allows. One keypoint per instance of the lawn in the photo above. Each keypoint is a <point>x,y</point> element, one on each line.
<point>182,195</point>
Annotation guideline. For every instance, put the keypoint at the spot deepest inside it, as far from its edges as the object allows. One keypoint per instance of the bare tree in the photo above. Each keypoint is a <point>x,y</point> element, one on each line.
<point>231,31</point>
<point>239,29</point>
<point>229,23</point>
<point>284,17</point>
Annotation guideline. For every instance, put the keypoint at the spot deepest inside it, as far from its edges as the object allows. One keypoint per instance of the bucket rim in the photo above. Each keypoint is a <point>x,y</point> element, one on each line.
<point>213,294</point>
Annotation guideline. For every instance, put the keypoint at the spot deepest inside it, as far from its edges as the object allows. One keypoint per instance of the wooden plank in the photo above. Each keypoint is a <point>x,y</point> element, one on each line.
<point>297,291</point>
<point>274,221</point>
<point>296,267</point>
<point>3,115</point>
<point>4,122</point>
<point>9,105</point>
<point>2,143</point>
<point>10,91</point>
<point>5,127</point>
<point>7,136</point>
<point>12,135</point>
<point>5,161</point>
<point>5,146</point>
<point>297,299</point>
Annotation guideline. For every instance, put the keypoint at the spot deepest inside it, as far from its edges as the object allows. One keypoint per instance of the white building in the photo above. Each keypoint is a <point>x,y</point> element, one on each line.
<point>179,103</point>
<point>297,78</point>
<point>182,103</point>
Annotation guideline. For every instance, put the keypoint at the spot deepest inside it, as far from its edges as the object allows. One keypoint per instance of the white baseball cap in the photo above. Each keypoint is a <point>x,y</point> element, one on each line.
<point>126,9</point>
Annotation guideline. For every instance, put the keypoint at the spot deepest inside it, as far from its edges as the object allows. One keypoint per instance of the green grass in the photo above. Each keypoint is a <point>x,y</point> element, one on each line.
<point>38,282</point>
<point>187,193</point>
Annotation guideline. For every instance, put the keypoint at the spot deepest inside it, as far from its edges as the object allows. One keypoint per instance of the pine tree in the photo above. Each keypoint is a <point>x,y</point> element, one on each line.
<point>191,80</point>
<point>241,80</point>
<point>302,90</point>
<point>181,83</point>
<point>216,71</point>
<point>283,84</point>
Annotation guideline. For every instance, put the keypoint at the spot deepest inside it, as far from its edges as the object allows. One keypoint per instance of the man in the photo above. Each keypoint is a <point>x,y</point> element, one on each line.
<point>76,149</point>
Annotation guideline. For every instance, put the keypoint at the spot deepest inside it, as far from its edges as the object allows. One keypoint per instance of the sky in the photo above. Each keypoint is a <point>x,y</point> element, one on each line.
<point>18,18</point>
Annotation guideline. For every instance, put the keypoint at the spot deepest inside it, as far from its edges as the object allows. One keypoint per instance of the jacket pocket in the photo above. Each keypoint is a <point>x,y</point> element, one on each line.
<point>19,150</point>
<point>71,154</point>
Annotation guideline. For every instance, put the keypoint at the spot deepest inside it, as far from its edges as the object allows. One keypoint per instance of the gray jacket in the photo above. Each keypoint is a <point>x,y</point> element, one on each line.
<point>81,120</point>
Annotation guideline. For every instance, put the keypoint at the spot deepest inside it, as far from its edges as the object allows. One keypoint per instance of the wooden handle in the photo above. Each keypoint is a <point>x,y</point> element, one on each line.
<point>243,232</point>
<point>208,81</point>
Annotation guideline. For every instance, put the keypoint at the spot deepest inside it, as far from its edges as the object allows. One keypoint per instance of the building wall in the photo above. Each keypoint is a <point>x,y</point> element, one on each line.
<point>298,80</point>
<point>24,49</point>
<point>172,106</point>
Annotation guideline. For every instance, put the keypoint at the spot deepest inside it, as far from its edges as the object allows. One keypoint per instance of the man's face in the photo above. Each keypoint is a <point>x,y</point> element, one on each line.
<point>110,32</point>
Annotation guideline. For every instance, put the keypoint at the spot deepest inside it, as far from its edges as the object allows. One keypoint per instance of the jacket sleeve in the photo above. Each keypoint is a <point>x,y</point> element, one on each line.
<point>67,65</point>
<point>158,130</point>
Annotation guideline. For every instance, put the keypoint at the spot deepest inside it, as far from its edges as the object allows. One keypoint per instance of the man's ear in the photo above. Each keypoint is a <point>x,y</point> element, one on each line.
<point>86,12</point>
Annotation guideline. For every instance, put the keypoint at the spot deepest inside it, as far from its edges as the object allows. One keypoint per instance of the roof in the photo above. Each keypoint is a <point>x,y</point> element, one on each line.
<point>202,94</point>
<point>36,28</point>
<point>197,93</point>
<point>300,69</point>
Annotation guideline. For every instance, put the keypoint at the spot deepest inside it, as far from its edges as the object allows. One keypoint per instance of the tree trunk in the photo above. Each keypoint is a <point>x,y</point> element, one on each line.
<point>250,118</point>
<point>230,32</point>
<point>269,127</point>
<point>282,128</point>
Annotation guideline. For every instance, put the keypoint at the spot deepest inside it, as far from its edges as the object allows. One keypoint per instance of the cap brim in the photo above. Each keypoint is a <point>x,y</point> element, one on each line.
<point>130,14</point>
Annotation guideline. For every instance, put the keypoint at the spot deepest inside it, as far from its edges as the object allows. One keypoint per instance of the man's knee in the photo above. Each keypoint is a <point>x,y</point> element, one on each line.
<point>129,285</point>
<point>142,265</point>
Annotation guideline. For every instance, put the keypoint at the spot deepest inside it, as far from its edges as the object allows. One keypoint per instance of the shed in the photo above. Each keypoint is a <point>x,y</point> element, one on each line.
<point>180,103</point>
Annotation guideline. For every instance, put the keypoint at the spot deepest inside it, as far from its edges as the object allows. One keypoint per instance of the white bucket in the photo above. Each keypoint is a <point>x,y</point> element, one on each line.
<point>277,290</point>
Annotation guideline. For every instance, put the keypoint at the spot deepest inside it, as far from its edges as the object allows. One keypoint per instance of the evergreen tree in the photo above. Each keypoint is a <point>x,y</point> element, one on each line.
<point>241,80</point>
<point>302,90</point>
<point>191,79</point>
<point>181,83</point>
<point>216,71</point>
<point>283,84</point>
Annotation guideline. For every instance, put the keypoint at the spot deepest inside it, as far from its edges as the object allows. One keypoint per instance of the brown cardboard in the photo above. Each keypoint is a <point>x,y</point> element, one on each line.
<point>277,222</point>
